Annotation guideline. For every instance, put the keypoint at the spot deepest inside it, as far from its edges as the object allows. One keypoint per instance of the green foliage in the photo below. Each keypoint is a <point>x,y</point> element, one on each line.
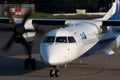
<point>41,15</point>
<point>54,6</point>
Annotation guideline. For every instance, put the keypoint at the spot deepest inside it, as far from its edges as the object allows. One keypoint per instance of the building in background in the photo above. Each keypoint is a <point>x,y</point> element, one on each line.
<point>16,9</point>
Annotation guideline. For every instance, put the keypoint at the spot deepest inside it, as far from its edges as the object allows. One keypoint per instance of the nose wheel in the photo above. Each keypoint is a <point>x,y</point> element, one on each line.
<point>54,72</point>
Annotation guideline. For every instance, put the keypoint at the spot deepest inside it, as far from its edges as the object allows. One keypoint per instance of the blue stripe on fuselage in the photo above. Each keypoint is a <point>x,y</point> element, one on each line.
<point>98,47</point>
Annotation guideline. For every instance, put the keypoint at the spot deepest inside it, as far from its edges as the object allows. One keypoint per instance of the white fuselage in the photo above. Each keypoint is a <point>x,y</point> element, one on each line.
<point>81,38</point>
<point>86,34</point>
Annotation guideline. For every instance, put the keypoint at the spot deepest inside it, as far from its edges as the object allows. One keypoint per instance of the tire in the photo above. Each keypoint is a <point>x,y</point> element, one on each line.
<point>33,63</point>
<point>52,73</point>
<point>26,63</point>
<point>57,73</point>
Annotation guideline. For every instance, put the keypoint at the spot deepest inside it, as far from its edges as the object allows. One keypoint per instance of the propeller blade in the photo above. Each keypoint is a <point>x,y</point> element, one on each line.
<point>27,15</point>
<point>12,17</point>
<point>9,43</point>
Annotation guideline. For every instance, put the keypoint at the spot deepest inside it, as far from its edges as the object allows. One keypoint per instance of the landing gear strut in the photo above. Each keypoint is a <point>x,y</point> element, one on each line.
<point>54,72</point>
<point>29,63</point>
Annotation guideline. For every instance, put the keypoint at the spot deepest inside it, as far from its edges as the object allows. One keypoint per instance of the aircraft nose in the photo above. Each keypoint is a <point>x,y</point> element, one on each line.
<point>52,55</point>
<point>52,60</point>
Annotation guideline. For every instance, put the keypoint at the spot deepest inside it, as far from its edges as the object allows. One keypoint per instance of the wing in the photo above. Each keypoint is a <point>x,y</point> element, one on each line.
<point>49,21</point>
<point>59,21</point>
<point>63,22</point>
<point>4,20</point>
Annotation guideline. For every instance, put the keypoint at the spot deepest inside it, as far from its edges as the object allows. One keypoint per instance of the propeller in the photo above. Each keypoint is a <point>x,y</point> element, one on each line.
<point>9,43</point>
<point>18,30</point>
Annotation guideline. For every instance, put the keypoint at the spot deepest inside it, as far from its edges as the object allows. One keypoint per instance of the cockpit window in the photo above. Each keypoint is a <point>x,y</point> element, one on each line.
<point>71,40</point>
<point>61,39</point>
<point>65,39</point>
<point>49,39</point>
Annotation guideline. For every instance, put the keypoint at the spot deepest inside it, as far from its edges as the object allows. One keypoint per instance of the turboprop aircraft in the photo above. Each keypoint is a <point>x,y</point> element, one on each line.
<point>81,38</point>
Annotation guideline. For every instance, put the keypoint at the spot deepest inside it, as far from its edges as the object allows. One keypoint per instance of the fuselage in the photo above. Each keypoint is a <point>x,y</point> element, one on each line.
<point>86,39</point>
<point>80,39</point>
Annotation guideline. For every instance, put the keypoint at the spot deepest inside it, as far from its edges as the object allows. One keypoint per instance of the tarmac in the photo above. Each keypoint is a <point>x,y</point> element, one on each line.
<point>96,67</point>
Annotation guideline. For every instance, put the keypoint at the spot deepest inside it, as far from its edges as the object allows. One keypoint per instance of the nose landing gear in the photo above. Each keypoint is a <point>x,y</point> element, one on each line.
<point>54,72</point>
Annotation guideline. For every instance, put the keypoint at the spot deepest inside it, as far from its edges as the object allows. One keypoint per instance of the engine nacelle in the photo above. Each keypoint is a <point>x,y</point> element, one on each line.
<point>29,36</point>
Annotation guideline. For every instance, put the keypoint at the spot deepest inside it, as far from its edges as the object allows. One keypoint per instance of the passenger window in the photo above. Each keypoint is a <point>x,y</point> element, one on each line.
<point>49,39</point>
<point>71,39</point>
<point>61,39</point>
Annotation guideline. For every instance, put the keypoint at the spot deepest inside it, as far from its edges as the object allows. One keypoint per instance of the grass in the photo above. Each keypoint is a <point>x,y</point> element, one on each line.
<point>50,15</point>
<point>33,15</point>
<point>41,15</point>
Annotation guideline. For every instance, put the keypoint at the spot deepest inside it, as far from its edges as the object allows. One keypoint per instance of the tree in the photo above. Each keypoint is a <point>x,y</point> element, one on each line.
<point>53,6</point>
<point>104,5</point>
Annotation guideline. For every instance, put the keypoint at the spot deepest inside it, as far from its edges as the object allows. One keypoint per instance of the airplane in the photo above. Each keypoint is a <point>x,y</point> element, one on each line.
<point>80,38</point>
